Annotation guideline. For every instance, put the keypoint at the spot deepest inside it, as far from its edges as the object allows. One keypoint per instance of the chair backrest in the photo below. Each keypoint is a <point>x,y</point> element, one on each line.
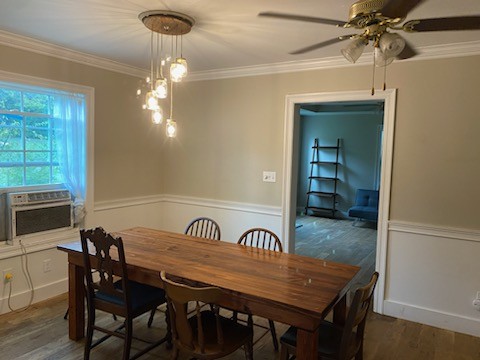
<point>261,238</point>
<point>353,331</point>
<point>368,198</point>
<point>193,339</point>
<point>204,227</point>
<point>108,254</point>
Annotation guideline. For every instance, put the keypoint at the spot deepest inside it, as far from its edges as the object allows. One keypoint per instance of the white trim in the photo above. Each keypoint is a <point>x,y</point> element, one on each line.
<point>40,47</point>
<point>39,243</point>
<point>60,52</point>
<point>440,319</point>
<point>424,53</point>
<point>290,182</point>
<point>430,230</point>
<point>44,292</point>
<point>186,200</point>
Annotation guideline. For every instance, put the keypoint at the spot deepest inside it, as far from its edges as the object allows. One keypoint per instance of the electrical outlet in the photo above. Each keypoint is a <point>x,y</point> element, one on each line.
<point>7,275</point>
<point>47,265</point>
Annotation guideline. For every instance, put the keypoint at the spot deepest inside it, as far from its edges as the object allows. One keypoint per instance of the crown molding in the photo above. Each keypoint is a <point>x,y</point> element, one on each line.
<point>424,53</point>
<point>60,52</point>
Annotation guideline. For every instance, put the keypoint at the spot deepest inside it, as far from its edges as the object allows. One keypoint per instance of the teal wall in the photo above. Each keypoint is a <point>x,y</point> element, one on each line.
<point>357,157</point>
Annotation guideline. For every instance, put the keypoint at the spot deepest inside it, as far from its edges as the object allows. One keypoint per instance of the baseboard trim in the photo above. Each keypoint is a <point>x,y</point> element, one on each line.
<point>44,292</point>
<point>443,320</point>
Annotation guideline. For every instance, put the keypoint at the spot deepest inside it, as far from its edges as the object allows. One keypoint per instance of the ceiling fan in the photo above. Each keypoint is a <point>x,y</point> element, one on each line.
<point>376,19</point>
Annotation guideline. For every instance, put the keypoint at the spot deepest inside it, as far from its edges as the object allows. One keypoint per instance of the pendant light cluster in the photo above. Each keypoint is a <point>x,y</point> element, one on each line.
<point>167,64</point>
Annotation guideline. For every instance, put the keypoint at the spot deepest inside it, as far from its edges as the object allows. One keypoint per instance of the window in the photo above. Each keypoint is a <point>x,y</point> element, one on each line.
<point>28,138</point>
<point>43,136</point>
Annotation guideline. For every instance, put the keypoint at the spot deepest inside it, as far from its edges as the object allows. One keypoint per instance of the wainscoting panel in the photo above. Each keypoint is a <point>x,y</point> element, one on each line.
<point>432,276</point>
<point>233,218</point>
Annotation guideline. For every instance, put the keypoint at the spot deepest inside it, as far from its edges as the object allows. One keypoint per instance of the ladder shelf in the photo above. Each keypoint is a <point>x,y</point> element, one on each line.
<point>322,189</point>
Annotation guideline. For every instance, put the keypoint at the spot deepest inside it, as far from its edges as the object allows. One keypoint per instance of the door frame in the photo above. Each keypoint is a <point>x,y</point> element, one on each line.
<point>290,168</point>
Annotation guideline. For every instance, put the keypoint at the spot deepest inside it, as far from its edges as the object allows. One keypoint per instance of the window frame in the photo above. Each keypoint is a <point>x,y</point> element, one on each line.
<point>89,94</point>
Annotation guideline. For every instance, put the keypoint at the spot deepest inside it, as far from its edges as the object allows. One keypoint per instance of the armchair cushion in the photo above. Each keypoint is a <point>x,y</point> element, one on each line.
<point>366,205</point>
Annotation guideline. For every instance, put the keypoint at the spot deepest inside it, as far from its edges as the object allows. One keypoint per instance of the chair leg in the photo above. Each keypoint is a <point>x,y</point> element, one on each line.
<point>235,316</point>
<point>66,315</point>
<point>274,334</point>
<point>150,319</point>
<point>89,337</point>
<point>169,344</point>
<point>284,353</point>
<point>128,338</point>
<point>249,348</point>
<point>174,353</point>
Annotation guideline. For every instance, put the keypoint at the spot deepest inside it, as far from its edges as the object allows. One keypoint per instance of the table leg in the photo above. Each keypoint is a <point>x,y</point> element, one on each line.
<point>307,344</point>
<point>76,304</point>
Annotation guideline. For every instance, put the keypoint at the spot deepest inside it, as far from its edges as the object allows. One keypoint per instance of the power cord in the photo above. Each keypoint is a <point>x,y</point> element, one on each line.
<point>26,273</point>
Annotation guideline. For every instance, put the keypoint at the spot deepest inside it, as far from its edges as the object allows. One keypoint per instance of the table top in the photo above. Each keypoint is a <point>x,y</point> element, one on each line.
<point>307,285</point>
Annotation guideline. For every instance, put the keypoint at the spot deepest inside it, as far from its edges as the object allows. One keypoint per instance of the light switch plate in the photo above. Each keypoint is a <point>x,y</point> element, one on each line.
<point>269,176</point>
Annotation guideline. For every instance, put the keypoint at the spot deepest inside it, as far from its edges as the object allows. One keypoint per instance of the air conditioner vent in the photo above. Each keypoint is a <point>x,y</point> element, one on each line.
<point>38,197</point>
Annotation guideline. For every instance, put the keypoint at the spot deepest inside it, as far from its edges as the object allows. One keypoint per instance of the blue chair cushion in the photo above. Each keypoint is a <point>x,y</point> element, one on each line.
<point>141,295</point>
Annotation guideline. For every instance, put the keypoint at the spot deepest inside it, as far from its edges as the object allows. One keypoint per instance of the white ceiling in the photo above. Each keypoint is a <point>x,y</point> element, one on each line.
<point>227,34</point>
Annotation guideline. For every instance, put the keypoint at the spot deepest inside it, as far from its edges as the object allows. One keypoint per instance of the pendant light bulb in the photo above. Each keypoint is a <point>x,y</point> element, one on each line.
<point>178,69</point>
<point>171,128</point>
<point>157,117</point>
<point>161,87</point>
<point>151,101</point>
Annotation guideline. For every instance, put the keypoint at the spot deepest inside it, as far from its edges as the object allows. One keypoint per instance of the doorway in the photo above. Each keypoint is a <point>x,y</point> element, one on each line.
<point>291,163</point>
<point>339,153</point>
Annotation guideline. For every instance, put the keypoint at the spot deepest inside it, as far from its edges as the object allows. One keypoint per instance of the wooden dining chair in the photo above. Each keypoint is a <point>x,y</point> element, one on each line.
<point>339,342</point>
<point>206,334</point>
<point>261,238</point>
<point>264,239</point>
<point>114,293</point>
<point>203,227</point>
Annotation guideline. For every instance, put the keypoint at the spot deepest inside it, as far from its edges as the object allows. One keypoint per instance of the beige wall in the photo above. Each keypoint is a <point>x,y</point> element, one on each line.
<point>127,151</point>
<point>232,129</point>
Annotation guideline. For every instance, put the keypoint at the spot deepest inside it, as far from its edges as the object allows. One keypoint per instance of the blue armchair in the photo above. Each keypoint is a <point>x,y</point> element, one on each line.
<point>366,205</point>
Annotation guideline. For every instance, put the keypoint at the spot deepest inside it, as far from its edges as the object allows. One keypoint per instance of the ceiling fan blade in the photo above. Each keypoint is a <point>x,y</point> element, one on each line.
<point>407,52</point>
<point>399,8</point>
<point>302,18</point>
<point>322,44</point>
<point>443,24</point>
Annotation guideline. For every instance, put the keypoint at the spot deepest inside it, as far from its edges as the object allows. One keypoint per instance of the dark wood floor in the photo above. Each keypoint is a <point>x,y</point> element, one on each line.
<point>345,241</point>
<point>41,333</point>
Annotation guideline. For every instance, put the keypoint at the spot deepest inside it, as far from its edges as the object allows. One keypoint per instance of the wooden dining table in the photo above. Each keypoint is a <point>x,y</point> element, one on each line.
<point>291,289</point>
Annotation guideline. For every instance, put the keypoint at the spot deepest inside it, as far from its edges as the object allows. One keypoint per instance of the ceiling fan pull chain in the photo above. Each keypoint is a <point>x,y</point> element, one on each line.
<point>385,76</point>
<point>373,75</point>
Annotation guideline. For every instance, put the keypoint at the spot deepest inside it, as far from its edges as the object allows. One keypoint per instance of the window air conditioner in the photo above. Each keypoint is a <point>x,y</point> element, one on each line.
<point>38,211</point>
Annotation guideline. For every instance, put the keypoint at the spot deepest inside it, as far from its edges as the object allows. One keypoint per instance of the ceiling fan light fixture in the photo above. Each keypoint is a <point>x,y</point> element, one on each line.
<point>354,49</point>
<point>380,58</point>
<point>391,44</point>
